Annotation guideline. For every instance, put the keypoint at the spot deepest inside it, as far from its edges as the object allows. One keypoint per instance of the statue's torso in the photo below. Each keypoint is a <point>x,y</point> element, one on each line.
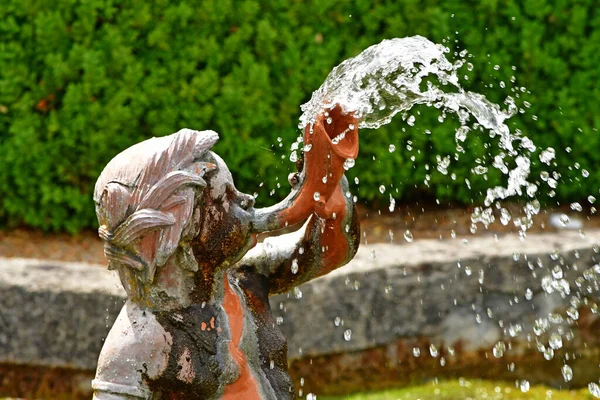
<point>200,364</point>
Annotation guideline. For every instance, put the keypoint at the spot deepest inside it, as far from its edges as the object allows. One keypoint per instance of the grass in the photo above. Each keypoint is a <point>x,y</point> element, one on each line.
<point>463,389</point>
<point>468,390</point>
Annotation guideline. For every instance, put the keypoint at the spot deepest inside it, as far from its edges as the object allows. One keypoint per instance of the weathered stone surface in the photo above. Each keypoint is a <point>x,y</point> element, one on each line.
<point>56,314</point>
<point>52,383</point>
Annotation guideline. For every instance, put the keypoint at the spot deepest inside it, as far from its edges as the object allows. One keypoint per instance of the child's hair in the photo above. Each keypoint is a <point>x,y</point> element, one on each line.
<point>145,199</point>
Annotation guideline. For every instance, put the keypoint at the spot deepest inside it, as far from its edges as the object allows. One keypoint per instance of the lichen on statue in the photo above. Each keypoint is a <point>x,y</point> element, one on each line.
<point>197,322</point>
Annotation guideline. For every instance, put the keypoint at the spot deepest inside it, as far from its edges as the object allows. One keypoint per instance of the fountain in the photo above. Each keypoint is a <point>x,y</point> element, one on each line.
<point>197,322</point>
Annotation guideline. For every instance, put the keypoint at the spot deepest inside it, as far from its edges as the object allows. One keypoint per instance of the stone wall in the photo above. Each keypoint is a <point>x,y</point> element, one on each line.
<point>441,290</point>
<point>361,326</point>
<point>453,300</point>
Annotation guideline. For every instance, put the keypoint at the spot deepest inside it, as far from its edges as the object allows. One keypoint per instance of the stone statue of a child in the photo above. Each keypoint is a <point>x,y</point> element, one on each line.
<point>197,322</point>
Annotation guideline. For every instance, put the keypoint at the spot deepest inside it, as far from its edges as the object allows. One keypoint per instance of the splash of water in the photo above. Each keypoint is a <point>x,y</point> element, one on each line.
<point>393,76</point>
<point>396,75</point>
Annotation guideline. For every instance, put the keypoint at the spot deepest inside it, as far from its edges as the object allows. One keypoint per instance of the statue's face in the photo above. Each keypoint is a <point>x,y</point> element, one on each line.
<point>226,220</point>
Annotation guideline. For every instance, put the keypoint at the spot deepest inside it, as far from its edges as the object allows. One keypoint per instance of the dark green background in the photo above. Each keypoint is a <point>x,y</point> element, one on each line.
<point>82,80</point>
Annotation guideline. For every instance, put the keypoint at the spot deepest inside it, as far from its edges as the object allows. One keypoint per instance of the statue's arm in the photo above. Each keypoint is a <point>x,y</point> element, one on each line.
<point>320,246</point>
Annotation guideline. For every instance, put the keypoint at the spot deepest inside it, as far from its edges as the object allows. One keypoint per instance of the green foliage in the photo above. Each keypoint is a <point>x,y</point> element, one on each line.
<point>82,80</point>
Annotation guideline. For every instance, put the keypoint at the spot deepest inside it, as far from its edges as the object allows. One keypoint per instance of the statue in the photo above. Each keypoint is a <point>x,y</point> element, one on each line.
<point>197,322</point>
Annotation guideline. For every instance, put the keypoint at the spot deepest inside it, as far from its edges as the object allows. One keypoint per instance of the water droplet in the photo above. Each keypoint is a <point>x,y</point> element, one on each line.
<point>479,170</point>
<point>349,163</point>
<point>408,236</point>
<point>311,396</point>
<point>576,207</point>
<point>373,254</point>
<point>573,313</point>
<point>594,389</point>
<point>295,266</point>
<point>461,133</point>
<point>499,349</point>
<point>564,219</point>
<point>540,326</point>
<point>416,352</point>
<point>547,155</point>
<point>347,335</point>
<point>392,148</point>
<point>496,67</point>
<point>514,330</point>
<point>293,157</point>
<point>528,294</point>
<point>433,351</point>
<point>468,270</point>
<point>567,373</point>
<point>317,196</point>
<point>382,189</point>
<point>591,199</point>
<point>411,120</point>
<point>555,341</point>
<point>442,164</point>
<point>524,386</point>
<point>504,216</point>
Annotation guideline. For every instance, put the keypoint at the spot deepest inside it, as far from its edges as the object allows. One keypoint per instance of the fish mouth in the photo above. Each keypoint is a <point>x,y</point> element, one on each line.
<point>332,140</point>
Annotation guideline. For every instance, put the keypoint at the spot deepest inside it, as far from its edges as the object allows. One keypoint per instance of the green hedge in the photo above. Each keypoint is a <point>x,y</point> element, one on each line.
<point>81,80</point>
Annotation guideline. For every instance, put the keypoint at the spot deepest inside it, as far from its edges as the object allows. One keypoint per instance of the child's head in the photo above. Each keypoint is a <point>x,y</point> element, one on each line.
<point>166,194</point>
